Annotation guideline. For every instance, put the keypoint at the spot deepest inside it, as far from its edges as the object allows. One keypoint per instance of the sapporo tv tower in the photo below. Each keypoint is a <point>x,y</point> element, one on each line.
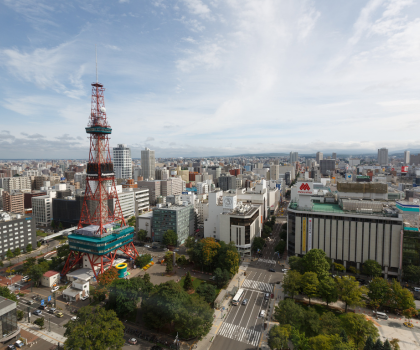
<point>102,230</point>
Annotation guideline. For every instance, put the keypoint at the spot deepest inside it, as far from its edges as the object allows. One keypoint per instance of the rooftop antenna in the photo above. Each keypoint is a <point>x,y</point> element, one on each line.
<point>96,53</point>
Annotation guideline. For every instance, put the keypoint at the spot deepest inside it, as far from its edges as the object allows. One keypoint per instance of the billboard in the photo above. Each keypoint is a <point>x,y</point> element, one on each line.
<point>309,234</point>
<point>404,169</point>
<point>303,235</point>
<point>305,188</point>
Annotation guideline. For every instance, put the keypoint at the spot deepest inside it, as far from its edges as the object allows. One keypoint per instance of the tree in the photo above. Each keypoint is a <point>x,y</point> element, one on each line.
<point>17,252</point>
<point>169,266</point>
<point>142,260</point>
<point>105,279</point>
<point>124,295</point>
<point>309,283</point>
<point>312,323</point>
<point>292,282</point>
<point>369,344</point>
<point>132,221</point>
<point>327,290</point>
<point>232,261</point>
<point>20,314</point>
<point>29,248</point>
<point>53,224</point>
<point>387,345</point>
<point>95,328</point>
<point>6,293</point>
<point>35,273</point>
<point>278,336</point>
<point>401,298</point>
<point>339,267</point>
<point>412,273</point>
<point>288,312</point>
<point>188,285</point>
<point>60,226</point>
<point>379,292</point>
<point>378,345</point>
<point>296,263</point>
<point>210,250</point>
<point>350,292</point>
<point>316,261</point>
<point>40,322</point>
<point>28,263</point>
<point>63,251</point>
<point>409,313</point>
<point>9,254</point>
<point>358,328</point>
<point>141,235</point>
<point>38,244</point>
<point>207,292</point>
<point>1,264</point>
<point>170,238</point>
<point>221,277</point>
<point>258,243</point>
<point>352,269</point>
<point>343,336</point>
<point>189,242</point>
<point>330,324</point>
<point>10,271</point>
<point>372,268</point>
<point>394,344</point>
<point>280,247</point>
<point>299,340</point>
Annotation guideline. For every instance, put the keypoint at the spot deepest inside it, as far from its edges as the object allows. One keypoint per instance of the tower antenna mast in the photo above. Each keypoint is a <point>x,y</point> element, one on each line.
<point>96,53</point>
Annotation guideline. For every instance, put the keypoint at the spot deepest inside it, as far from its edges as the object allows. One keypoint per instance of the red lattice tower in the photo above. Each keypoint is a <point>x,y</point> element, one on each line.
<point>100,180</point>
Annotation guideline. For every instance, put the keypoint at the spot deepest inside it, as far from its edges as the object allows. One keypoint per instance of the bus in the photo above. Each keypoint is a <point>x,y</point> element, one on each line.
<point>237,298</point>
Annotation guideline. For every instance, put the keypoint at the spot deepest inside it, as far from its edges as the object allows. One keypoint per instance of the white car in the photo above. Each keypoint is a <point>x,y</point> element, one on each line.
<point>74,318</point>
<point>25,278</point>
<point>147,246</point>
<point>84,298</point>
<point>284,270</point>
<point>262,313</point>
<point>55,289</point>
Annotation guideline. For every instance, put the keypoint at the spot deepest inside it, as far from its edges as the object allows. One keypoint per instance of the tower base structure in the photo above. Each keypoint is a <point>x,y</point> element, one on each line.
<point>99,252</point>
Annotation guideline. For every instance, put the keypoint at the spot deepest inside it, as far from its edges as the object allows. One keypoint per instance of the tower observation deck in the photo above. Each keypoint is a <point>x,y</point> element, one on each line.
<point>102,231</point>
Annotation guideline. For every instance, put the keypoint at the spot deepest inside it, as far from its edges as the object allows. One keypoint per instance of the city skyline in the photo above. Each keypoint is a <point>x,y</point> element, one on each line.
<point>195,78</point>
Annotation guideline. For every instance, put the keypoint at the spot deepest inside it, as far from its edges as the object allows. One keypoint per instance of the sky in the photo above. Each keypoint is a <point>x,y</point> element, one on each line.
<point>210,78</point>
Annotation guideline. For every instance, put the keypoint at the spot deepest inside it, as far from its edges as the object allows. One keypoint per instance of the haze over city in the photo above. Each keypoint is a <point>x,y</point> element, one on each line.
<point>195,78</point>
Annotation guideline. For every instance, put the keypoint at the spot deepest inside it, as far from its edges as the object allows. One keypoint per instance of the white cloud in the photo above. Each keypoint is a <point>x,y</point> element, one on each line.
<point>197,7</point>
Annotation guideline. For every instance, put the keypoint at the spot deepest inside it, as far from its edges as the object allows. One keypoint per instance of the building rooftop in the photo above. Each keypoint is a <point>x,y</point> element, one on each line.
<point>50,273</point>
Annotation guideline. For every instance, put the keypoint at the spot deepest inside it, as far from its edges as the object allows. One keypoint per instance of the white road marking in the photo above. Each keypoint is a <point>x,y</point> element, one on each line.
<point>268,261</point>
<point>262,286</point>
<point>242,334</point>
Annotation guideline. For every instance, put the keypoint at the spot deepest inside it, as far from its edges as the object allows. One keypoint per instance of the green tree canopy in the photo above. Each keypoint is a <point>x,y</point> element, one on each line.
<point>412,273</point>
<point>327,290</point>
<point>170,238</point>
<point>63,251</point>
<point>143,260</point>
<point>16,252</point>
<point>29,248</point>
<point>188,285</point>
<point>350,292</point>
<point>221,277</point>
<point>141,235</point>
<point>329,323</point>
<point>6,293</point>
<point>379,292</point>
<point>316,261</point>
<point>207,292</point>
<point>369,344</point>
<point>258,243</point>
<point>35,273</point>
<point>132,221</point>
<point>288,312</point>
<point>95,329</point>
<point>124,295</point>
<point>358,328</point>
<point>401,298</point>
<point>296,264</point>
<point>378,345</point>
<point>299,340</point>
<point>278,336</point>
<point>309,283</point>
<point>9,254</point>
<point>40,322</point>
<point>372,268</point>
<point>169,265</point>
<point>312,323</point>
<point>189,242</point>
<point>292,282</point>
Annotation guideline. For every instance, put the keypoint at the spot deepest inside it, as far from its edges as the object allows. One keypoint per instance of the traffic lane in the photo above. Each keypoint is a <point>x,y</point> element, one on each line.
<point>221,342</point>
<point>66,315</point>
<point>252,313</point>
<point>244,310</point>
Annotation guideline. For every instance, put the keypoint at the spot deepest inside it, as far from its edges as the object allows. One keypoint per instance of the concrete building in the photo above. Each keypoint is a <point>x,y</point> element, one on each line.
<point>39,181</point>
<point>16,183</point>
<point>349,231</point>
<point>144,222</point>
<point>13,202</point>
<point>319,156</point>
<point>161,174</point>
<point>148,164</point>
<point>67,209</point>
<point>126,199</point>
<point>154,188</point>
<point>42,209</point>
<point>334,156</point>
<point>202,187</point>
<point>406,157</point>
<point>122,162</point>
<point>354,162</point>
<point>141,200</point>
<point>274,172</point>
<point>383,156</point>
<point>79,288</point>
<point>50,279</point>
<point>171,186</point>
<point>327,166</point>
<point>178,218</point>
<point>293,157</point>
<point>16,231</point>
<point>227,182</point>
<point>9,327</point>
<point>202,211</point>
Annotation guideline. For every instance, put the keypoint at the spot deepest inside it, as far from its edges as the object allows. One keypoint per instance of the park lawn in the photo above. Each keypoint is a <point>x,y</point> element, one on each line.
<point>196,282</point>
<point>41,234</point>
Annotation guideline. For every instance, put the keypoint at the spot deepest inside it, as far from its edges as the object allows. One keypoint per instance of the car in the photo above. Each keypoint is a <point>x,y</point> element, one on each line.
<point>20,343</point>
<point>284,270</point>
<point>25,278</point>
<point>262,313</point>
<point>37,312</point>
<point>85,297</point>
<point>245,301</point>
<point>42,307</point>
<point>29,302</point>
<point>17,297</point>
<point>154,247</point>
<point>132,341</point>
<point>11,347</point>
<point>74,318</point>
<point>271,270</point>
<point>55,289</point>
<point>147,246</point>
<point>52,310</point>
<point>59,314</point>
<point>267,296</point>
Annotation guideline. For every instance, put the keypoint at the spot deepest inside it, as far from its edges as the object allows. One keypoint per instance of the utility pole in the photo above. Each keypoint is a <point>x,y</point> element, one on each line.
<point>49,322</point>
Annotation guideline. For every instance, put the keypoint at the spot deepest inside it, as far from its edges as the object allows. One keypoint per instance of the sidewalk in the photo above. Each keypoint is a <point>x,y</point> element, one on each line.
<point>207,341</point>
<point>51,337</point>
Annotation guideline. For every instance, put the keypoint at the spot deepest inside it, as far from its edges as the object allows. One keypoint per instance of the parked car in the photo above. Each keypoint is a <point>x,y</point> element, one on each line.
<point>147,246</point>
<point>133,341</point>
<point>262,313</point>
<point>85,297</point>
<point>37,312</point>
<point>29,302</point>
<point>245,301</point>
<point>74,318</point>
<point>25,278</point>
<point>155,247</point>
<point>55,289</point>
<point>271,270</point>
<point>52,310</point>
<point>284,270</point>
<point>11,347</point>
<point>20,343</point>
<point>42,307</point>
<point>59,314</point>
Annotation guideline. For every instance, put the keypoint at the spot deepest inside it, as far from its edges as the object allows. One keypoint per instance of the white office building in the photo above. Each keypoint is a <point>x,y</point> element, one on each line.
<point>42,211</point>
<point>406,157</point>
<point>293,157</point>
<point>122,162</point>
<point>148,164</point>
<point>16,183</point>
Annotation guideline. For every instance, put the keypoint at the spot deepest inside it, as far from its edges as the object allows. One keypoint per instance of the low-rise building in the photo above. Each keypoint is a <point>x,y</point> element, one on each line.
<point>79,288</point>
<point>50,279</point>
<point>144,222</point>
<point>8,315</point>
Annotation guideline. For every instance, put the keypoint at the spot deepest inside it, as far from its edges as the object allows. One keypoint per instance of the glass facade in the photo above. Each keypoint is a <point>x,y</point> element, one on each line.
<point>8,320</point>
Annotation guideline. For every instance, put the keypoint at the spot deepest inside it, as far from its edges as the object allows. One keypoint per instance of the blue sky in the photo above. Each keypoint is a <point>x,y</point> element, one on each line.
<point>195,77</point>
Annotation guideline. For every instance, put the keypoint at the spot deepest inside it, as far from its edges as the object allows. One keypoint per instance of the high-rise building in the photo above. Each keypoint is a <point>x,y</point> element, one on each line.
<point>383,156</point>
<point>227,182</point>
<point>122,162</point>
<point>406,157</point>
<point>327,166</point>
<point>13,202</point>
<point>334,156</point>
<point>16,183</point>
<point>274,172</point>
<point>148,164</point>
<point>42,208</point>
<point>293,157</point>
<point>319,156</point>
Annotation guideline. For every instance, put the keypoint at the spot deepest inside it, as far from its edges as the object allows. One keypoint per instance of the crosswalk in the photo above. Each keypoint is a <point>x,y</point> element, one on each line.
<point>268,261</point>
<point>262,286</point>
<point>242,334</point>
